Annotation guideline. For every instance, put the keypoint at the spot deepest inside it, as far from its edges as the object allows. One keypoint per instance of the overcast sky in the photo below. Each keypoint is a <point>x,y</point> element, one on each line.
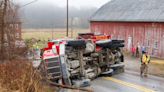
<point>74,3</point>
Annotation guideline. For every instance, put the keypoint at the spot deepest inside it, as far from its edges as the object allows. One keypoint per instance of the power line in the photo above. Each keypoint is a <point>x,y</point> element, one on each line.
<point>29,3</point>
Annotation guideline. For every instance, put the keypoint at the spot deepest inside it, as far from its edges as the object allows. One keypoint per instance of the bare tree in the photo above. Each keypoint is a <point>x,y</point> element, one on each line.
<point>8,27</point>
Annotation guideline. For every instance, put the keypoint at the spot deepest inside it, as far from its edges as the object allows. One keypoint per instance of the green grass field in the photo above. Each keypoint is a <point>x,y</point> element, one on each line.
<point>44,34</point>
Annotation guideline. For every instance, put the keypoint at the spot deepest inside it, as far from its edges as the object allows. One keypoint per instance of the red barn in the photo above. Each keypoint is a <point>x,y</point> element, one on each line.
<point>138,22</point>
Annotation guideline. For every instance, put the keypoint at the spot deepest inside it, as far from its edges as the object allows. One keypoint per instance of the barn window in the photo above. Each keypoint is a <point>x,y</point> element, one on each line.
<point>156,45</point>
<point>16,26</point>
<point>17,35</point>
<point>148,43</point>
<point>11,25</point>
<point>5,37</point>
<point>97,30</point>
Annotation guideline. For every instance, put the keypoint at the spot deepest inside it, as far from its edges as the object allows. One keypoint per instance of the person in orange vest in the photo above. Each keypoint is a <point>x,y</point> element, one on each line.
<point>145,60</point>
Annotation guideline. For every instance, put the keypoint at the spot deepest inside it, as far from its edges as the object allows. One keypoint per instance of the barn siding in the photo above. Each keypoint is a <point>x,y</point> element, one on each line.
<point>150,35</point>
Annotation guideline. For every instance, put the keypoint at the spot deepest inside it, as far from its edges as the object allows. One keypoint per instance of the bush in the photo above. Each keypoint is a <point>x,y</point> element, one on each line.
<point>19,75</point>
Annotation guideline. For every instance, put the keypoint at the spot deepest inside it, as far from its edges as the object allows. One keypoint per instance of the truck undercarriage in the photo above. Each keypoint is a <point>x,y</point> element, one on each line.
<point>83,59</point>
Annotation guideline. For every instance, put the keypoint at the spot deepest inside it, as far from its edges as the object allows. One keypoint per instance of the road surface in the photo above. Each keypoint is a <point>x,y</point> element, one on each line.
<point>128,82</point>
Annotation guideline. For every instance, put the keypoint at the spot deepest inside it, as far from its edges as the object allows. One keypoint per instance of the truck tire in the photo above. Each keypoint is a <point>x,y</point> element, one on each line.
<point>117,45</point>
<point>77,43</point>
<point>110,43</point>
<point>104,45</point>
<point>118,41</point>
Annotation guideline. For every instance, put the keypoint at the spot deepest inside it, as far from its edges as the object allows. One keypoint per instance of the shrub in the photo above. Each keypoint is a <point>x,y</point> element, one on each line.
<point>19,75</point>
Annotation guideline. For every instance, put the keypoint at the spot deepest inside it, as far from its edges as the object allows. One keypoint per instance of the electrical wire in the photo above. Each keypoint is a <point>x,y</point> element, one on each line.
<point>29,3</point>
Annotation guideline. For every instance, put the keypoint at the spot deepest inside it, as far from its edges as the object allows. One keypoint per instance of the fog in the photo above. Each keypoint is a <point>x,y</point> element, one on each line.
<point>52,13</point>
<point>62,3</point>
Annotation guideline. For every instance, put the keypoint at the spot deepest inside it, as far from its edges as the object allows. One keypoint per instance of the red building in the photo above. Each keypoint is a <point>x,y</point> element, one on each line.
<point>138,22</point>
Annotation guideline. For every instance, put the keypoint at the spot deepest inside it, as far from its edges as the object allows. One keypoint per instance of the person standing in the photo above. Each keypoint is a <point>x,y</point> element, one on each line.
<point>143,49</point>
<point>36,51</point>
<point>145,60</point>
<point>137,52</point>
<point>133,51</point>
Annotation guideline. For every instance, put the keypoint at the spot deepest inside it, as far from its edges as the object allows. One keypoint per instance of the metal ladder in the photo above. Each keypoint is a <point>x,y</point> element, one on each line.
<point>53,69</point>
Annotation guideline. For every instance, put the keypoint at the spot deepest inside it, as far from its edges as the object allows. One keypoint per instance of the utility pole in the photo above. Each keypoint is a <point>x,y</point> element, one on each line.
<point>52,32</point>
<point>71,27</point>
<point>67,18</point>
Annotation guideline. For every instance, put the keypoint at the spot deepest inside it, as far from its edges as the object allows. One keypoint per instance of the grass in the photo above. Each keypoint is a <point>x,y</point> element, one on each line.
<point>45,34</point>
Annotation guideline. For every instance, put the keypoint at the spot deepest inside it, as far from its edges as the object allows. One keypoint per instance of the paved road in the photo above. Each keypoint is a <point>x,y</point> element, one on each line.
<point>128,82</point>
<point>156,66</point>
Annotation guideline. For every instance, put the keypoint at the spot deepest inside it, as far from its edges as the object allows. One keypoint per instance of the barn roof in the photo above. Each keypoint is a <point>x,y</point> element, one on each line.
<point>131,11</point>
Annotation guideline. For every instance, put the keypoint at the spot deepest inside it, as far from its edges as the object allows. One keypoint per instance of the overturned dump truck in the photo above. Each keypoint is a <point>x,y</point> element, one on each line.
<point>84,58</point>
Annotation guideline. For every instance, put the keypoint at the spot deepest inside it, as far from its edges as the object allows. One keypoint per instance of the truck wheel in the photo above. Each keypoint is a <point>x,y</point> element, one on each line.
<point>77,43</point>
<point>117,45</point>
<point>104,45</point>
<point>118,41</point>
<point>110,45</point>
